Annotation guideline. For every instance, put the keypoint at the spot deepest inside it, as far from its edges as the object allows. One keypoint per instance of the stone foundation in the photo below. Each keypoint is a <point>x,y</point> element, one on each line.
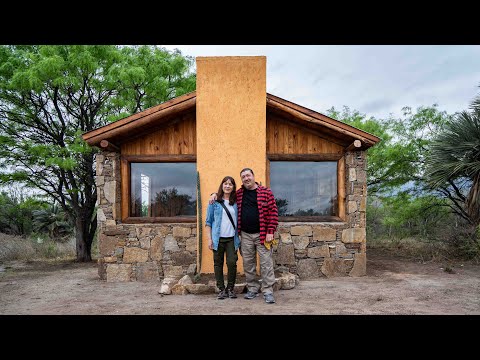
<point>150,252</point>
<point>134,252</point>
<point>312,250</point>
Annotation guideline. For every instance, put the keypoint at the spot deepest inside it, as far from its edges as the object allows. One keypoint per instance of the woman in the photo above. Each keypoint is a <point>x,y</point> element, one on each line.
<point>223,235</point>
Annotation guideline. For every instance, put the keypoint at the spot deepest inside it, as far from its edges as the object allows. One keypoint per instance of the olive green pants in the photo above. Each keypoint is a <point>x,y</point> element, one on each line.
<point>225,246</point>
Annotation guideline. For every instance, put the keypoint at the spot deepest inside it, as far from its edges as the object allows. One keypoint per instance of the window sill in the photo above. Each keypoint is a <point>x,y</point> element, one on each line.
<point>310,219</point>
<point>145,220</point>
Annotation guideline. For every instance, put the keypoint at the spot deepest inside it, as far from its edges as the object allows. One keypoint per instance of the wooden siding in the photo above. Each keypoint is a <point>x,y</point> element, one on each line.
<point>306,116</point>
<point>287,138</point>
<point>142,122</point>
<point>177,137</point>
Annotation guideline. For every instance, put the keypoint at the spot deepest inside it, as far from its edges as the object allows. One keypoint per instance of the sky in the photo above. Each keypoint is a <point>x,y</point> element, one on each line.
<point>376,80</point>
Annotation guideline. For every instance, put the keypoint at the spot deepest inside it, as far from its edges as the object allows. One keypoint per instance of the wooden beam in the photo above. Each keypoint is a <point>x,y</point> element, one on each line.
<point>304,157</point>
<point>106,145</point>
<point>148,220</point>
<point>158,158</point>
<point>355,146</point>
<point>309,219</point>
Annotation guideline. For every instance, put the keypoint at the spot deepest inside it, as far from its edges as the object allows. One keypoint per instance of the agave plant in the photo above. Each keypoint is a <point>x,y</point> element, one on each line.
<point>51,220</point>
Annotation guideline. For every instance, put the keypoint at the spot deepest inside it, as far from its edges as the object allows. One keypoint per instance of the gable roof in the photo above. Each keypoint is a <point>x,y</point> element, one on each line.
<point>142,122</point>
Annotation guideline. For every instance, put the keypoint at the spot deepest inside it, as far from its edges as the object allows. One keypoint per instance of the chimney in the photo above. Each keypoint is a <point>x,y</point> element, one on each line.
<point>231,126</point>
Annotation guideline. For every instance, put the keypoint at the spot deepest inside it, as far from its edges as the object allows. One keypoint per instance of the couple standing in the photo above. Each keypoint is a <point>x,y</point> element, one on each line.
<point>251,212</point>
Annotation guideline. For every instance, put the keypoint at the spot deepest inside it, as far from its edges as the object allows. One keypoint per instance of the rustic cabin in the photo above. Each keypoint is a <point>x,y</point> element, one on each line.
<point>157,168</point>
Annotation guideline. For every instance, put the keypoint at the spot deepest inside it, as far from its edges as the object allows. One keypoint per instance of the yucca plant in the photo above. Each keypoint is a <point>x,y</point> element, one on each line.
<point>52,220</point>
<point>454,155</point>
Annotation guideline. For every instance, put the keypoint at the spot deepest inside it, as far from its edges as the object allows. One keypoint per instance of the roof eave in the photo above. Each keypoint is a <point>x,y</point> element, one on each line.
<point>310,116</point>
<point>142,120</point>
<point>148,118</point>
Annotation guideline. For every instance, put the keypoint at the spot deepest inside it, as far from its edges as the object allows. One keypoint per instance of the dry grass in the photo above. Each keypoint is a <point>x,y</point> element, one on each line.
<point>20,248</point>
<point>416,249</point>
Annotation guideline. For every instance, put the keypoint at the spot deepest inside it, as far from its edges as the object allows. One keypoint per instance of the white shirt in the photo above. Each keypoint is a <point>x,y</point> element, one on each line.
<point>226,228</point>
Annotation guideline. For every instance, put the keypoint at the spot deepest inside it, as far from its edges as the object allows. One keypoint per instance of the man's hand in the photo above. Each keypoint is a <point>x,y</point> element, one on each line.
<point>269,238</point>
<point>210,244</point>
<point>212,198</point>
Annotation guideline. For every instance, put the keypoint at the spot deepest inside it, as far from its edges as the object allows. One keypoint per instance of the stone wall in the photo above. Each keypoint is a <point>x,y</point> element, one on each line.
<point>149,252</point>
<point>312,250</point>
<point>137,252</point>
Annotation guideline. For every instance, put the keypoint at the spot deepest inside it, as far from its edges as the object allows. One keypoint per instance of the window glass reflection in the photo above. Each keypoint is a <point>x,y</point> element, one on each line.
<point>163,189</point>
<point>304,188</point>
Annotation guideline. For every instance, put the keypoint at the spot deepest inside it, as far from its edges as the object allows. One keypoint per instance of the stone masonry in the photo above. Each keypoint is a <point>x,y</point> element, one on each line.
<point>151,252</point>
<point>312,250</point>
<point>137,252</point>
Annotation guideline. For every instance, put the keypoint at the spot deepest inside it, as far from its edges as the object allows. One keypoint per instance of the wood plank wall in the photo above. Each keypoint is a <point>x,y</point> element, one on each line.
<point>286,138</point>
<point>178,137</point>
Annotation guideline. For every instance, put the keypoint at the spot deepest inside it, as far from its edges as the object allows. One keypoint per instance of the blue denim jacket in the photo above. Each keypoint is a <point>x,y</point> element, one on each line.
<point>214,220</point>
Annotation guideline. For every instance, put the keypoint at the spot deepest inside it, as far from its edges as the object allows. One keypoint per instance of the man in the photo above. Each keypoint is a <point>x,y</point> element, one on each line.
<point>257,222</point>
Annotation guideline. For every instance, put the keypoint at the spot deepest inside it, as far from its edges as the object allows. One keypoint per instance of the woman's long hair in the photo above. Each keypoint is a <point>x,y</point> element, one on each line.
<point>233,195</point>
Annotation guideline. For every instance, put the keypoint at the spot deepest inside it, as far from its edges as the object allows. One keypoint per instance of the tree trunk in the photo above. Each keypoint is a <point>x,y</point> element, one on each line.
<point>472,202</point>
<point>83,240</point>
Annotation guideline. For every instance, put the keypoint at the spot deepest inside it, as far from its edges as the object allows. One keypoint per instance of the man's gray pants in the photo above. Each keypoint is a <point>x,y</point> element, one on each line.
<point>250,246</point>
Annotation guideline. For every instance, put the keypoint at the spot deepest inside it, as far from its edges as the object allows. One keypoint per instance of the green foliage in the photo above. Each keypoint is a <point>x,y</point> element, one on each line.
<point>412,216</point>
<point>196,278</point>
<point>53,221</point>
<point>454,157</point>
<point>50,95</point>
<point>398,159</point>
<point>16,211</point>
<point>407,198</point>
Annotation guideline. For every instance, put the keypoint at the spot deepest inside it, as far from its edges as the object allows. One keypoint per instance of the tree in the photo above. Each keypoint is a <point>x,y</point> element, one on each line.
<point>398,185</point>
<point>282,206</point>
<point>50,95</point>
<point>16,209</point>
<point>454,156</point>
<point>383,153</point>
<point>398,160</point>
<point>168,202</point>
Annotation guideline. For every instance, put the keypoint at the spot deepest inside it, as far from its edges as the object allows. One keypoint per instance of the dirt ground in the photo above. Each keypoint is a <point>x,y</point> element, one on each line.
<point>393,285</point>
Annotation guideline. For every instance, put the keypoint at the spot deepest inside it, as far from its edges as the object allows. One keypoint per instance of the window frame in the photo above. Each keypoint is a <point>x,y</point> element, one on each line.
<point>125,175</point>
<point>340,159</point>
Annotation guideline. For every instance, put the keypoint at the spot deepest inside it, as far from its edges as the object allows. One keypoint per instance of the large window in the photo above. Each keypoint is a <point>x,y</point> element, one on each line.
<point>163,189</point>
<point>305,188</point>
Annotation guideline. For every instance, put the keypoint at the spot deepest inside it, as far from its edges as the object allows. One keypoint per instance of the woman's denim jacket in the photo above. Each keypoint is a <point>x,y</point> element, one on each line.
<point>214,220</point>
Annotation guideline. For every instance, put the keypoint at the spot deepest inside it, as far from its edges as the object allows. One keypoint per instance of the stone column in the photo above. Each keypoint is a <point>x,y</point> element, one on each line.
<point>355,235</point>
<point>108,206</point>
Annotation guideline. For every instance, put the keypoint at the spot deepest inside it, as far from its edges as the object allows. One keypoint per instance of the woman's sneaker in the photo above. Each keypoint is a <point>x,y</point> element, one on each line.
<point>231,293</point>
<point>222,294</point>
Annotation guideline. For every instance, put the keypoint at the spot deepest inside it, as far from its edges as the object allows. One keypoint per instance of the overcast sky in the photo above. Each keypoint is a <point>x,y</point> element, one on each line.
<point>376,80</point>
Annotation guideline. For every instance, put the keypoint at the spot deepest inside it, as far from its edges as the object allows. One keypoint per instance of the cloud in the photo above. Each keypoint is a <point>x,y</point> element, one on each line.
<point>375,80</point>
